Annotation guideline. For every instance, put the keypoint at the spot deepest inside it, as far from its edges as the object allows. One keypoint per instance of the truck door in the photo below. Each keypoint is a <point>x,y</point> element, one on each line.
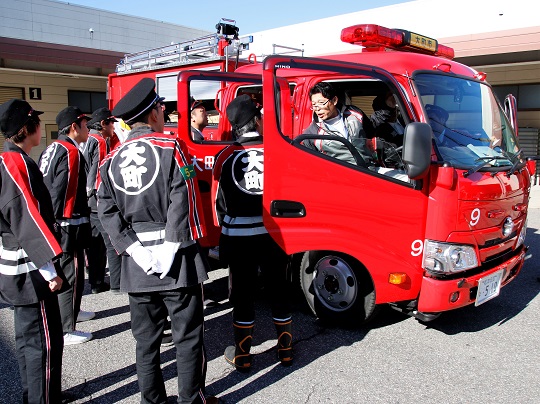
<point>214,90</point>
<point>355,223</point>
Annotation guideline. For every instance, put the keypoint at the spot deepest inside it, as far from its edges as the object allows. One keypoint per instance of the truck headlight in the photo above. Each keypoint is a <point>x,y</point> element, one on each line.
<point>448,258</point>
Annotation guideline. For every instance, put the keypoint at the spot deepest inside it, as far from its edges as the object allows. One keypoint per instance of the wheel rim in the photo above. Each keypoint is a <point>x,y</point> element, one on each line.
<point>334,283</point>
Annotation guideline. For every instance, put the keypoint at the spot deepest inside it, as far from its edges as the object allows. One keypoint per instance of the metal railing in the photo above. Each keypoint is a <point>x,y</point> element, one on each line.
<point>192,51</point>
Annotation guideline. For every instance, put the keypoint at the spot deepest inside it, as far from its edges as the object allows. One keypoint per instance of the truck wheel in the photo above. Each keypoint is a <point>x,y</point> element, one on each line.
<point>337,288</point>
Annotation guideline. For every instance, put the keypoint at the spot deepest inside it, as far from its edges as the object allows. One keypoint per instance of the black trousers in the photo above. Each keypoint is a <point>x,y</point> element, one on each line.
<point>39,344</point>
<point>245,255</point>
<point>72,263</point>
<point>114,260</point>
<point>95,253</point>
<point>149,313</point>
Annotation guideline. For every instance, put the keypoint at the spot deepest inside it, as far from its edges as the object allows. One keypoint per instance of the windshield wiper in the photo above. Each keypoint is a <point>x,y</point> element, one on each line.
<point>516,163</point>
<point>487,159</point>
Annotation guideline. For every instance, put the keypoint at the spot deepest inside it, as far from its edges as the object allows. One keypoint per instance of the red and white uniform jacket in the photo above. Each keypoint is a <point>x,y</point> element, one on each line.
<point>26,227</point>
<point>64,174</point>
<point>148,192</point>
<point>94,151</point>
<point>237,187</point>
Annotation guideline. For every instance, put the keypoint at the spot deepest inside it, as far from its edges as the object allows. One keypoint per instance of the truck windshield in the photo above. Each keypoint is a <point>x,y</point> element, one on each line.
<point>468,124</point>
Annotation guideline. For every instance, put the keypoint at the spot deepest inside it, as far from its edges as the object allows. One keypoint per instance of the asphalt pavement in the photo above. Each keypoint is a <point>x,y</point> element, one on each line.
<point>489,353</point>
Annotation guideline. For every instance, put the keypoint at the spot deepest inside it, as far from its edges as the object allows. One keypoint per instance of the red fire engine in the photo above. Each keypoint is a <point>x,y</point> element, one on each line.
<point>430,226</point>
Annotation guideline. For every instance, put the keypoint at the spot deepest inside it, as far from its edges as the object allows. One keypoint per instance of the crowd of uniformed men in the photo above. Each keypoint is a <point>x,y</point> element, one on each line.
<point>93,202</point>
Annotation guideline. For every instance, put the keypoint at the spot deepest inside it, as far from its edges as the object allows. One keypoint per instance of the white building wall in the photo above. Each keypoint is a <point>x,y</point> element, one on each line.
<point>433,18</point>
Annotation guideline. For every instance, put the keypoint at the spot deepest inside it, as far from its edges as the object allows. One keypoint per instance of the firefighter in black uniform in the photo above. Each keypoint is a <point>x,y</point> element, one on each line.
<point>28,278</point>
<point>149,204</point>
<point>245,245</point>
<point>63,168</point>
<point>100,250</point>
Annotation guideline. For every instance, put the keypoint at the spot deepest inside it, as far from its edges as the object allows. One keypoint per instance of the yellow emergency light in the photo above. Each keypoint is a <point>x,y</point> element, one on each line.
<point>375,36</point>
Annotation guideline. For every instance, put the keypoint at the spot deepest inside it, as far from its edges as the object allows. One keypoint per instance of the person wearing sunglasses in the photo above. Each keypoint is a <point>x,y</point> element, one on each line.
<point>331,117</point>
<point>385,119</point>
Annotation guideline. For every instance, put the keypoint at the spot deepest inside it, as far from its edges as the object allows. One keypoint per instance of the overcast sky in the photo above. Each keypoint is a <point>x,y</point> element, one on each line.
<point>250,16</point>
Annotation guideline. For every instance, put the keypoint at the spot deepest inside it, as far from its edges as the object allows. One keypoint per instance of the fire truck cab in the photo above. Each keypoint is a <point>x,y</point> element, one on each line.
<point>433,222</point>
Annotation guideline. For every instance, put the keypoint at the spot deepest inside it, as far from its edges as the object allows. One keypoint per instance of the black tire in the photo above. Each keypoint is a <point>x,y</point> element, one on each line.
<point>337,288</point>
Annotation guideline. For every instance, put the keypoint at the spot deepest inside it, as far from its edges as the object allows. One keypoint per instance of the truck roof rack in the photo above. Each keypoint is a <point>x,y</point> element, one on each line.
<point>206,48</point>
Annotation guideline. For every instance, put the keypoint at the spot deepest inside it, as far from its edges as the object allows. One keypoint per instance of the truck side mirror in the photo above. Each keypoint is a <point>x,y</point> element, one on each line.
<point>417,148</point>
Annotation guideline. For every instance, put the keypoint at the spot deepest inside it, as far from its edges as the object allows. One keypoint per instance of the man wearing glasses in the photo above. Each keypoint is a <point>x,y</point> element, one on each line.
<point>330,117</point>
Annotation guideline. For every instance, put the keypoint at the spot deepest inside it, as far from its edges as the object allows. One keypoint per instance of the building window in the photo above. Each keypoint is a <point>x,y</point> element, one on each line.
<point>87,101</point>
<point>7,93</point>
<point>528,95</point>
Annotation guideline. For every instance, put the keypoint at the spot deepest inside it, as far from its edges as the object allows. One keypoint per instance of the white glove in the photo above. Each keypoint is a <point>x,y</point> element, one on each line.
<point>142,256</point>
<point>164,254</point>
<point>48,271</point>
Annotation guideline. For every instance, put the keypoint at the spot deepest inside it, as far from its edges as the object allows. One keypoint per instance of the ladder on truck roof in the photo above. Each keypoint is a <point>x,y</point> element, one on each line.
<point>205,48</point>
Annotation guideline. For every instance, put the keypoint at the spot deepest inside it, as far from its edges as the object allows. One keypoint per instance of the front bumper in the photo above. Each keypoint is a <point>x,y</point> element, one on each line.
<point>438,295</point>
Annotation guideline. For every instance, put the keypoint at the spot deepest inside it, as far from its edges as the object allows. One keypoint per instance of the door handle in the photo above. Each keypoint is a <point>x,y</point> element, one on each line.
<point>280,208</point>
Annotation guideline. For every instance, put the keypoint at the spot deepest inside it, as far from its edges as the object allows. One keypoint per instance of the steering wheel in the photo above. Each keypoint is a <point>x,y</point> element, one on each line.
<point>360,161</point>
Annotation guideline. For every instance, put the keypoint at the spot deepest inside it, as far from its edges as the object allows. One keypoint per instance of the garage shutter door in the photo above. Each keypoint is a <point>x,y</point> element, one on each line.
<point>6,94</point>
<point>528,142</point>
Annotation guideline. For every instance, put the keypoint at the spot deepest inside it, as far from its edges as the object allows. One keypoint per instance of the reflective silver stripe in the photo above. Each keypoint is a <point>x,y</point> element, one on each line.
<point>251,231</point>
<point>12,255</point>
<point>15,256</point>
<point>151,235</point>
<point>158,235</point>
<point>74,222</point>
<point>242,220</point>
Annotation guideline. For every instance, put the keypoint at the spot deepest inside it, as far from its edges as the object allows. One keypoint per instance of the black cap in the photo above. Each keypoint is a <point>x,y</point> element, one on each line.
<point>68,116</point>
<point>101,114</point>
<point>14,114</point>
<point>431,109</point>
<point>241,110</point>
<point>194,103</point>
<point>137,101</point>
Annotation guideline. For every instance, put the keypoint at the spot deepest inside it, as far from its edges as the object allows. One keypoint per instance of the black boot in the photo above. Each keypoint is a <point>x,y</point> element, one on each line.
<point>284,342</point>
<point>239,355</point>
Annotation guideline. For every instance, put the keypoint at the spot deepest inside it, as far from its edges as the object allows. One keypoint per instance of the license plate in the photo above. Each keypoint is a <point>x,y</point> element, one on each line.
<point>489,287</point>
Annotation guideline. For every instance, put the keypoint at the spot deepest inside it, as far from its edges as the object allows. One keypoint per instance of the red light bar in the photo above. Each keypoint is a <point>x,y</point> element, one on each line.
<point>370,34</point>
<point>376,36</point>
<point>445,51</point>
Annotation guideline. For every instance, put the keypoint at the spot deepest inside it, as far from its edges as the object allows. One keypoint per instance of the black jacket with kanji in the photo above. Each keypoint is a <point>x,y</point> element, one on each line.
<point>64,174</point>
<point>27,222</point>
<point>147,192</point>
<point>237,187</point>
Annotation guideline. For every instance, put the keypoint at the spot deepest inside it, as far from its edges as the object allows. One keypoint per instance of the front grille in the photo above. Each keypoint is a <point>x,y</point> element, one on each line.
<point>497,241</point>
